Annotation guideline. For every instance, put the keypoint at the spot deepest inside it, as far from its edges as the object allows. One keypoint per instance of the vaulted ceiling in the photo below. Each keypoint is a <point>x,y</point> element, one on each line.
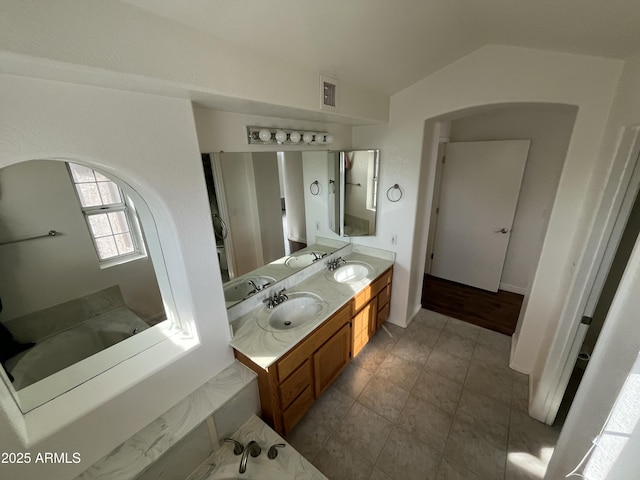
<point>387,45</point>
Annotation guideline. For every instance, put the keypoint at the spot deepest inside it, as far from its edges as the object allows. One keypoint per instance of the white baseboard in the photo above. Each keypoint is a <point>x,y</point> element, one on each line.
<point>512,288</point>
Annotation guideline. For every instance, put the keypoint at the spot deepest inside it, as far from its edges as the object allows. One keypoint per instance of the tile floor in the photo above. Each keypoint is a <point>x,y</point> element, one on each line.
<point>435,401</point>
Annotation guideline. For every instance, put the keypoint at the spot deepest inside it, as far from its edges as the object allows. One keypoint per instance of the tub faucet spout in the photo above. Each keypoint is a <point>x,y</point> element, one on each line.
<point>252,448</point>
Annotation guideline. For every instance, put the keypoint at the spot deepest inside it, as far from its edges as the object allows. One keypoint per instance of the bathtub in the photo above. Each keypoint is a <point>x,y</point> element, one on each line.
<point>72,345</point>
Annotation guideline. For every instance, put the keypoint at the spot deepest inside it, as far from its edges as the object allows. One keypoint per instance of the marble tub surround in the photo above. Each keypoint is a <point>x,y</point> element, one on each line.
<point>144,448</point>
<point>264,346</point>
<point>279,269</point>
<point>35,326</point>
<point>288,464</point>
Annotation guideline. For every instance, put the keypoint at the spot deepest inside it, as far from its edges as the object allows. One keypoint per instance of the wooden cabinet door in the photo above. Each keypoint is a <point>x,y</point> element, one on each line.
<point>361,325</point>
<point>331,358</point>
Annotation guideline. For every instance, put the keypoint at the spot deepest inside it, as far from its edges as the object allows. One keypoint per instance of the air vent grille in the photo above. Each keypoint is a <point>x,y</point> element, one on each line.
<point>329,94</point>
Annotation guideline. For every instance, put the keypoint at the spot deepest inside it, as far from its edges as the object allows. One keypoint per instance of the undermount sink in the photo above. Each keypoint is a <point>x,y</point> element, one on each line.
<point>300,309</point>
<point>351,272</point>
<point>303,259</point>
<point>241,288</point>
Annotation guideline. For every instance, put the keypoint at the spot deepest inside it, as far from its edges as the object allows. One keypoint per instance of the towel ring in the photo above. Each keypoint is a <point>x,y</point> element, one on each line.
<point>395,193</point>
<point>314,188</point>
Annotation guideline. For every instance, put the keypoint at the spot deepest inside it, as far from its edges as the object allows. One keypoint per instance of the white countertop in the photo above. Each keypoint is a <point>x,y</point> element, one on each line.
<point>264,347</point>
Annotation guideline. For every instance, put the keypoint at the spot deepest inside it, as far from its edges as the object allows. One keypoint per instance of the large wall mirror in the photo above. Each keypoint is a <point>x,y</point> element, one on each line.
<point>274,213</point>
<point>79,292</point>
<point>353,194</point>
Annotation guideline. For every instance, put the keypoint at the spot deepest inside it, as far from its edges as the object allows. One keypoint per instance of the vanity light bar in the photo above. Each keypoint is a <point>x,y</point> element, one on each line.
<point>281,136</point>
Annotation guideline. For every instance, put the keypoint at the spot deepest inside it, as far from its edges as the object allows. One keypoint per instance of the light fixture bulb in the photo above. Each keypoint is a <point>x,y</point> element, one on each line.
<point>329,138</point>
<point>307,137</point>
<point>319,138</point>
<point>294,137</point>
<point>265,135</point>
<point>281,136</point>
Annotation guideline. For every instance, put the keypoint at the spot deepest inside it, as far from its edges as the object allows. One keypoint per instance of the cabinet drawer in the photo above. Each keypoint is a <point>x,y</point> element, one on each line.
<point>371,291</point>
<point>295,384</point>
<point>301,405</point>
<point>290,362</point>
<point>384,295</point>
<point>383,314</point>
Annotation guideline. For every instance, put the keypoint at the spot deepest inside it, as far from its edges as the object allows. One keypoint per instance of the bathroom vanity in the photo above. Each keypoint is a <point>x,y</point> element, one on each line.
<point>296,363</point>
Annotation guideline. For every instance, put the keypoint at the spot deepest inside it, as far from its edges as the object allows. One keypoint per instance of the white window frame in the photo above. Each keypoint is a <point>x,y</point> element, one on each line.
<point>126,206</point>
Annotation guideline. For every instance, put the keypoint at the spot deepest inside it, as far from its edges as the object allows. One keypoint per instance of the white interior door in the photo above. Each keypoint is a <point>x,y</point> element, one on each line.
<point>478,197</point>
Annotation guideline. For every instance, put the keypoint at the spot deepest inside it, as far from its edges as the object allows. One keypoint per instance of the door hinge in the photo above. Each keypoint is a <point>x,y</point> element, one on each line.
<point>432,256</point>
<point>444,159</point>
<point>437,210</point>
<point>586,320</point>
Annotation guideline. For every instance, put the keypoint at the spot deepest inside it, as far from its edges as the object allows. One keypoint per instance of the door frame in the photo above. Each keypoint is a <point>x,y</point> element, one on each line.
<point>223,211</point>
<point>621,187</point>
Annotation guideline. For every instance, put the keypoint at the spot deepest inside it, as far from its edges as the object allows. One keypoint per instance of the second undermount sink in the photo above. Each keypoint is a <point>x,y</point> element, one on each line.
<point>303,259</point>
<point>242,288</point>
<point>350,272</point>
<point>300,309</point>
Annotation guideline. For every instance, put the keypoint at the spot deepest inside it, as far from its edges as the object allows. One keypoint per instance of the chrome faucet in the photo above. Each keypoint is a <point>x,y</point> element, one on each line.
<point>252,449</point>
<point>335,263</point>
<point>317,257</point>
<point>257,288</point>
<point>275,299</point>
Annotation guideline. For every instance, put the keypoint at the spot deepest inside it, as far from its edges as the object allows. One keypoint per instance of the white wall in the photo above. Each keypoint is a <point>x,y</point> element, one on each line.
<point>165,57</point>
<point>244,224</point>
<point>38,196</point>
<point>150,142</point>
<point>294,188</point>
<point>267,186</point>
<point>314,167</point>
<point>549,129</point>
<point>499,75</point>
<point>619,341</point>
<point>227,132</point>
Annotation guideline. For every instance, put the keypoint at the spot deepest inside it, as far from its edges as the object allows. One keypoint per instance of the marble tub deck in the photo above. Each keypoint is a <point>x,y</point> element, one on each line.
<point>288,464</point>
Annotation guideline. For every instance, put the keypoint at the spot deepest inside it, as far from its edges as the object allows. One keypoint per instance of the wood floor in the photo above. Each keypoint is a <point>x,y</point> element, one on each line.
<point>495,311</point>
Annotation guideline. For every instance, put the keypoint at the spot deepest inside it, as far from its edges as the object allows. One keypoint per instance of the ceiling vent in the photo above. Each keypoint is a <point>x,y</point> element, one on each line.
<point>329,93</point>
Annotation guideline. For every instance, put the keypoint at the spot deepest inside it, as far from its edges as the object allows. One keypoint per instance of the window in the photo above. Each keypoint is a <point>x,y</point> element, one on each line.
<point>109,216</point>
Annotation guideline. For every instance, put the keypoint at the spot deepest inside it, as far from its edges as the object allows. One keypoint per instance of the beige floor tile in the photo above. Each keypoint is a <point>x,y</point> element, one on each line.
<point>352,380</point>
<point>370,358</point>
<point>365,431</point>
<point>426,422</point>
<point>495,340</point>
<point>439,391</point>
<point>383,340</point>
<point>520,392</point>
<point>399,371</point>
<point>490,356</point>
<point>308,437</point>
<point>330,408</point>
<point>338,461</point>
<point>451,471</point>
<point>411,348</point>
<point>476,450</point>
<point>378,475</point>
<point>384,398</point>
<point>484,413</point>
<point>495,382</point>
<point>431,319</point>
<point>448,366</point>
<point>531,436</point>
<point>425,334</point>
<point>462,329</point>
<point>406,458</point>
<point>455,345</point>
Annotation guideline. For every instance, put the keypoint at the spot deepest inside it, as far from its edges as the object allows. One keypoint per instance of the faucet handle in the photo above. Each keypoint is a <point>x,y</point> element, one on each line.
<point>238,448</point>
<point>273,452</point>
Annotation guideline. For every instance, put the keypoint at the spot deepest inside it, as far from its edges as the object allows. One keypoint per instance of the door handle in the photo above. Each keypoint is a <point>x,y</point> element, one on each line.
<point>502,230</point>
